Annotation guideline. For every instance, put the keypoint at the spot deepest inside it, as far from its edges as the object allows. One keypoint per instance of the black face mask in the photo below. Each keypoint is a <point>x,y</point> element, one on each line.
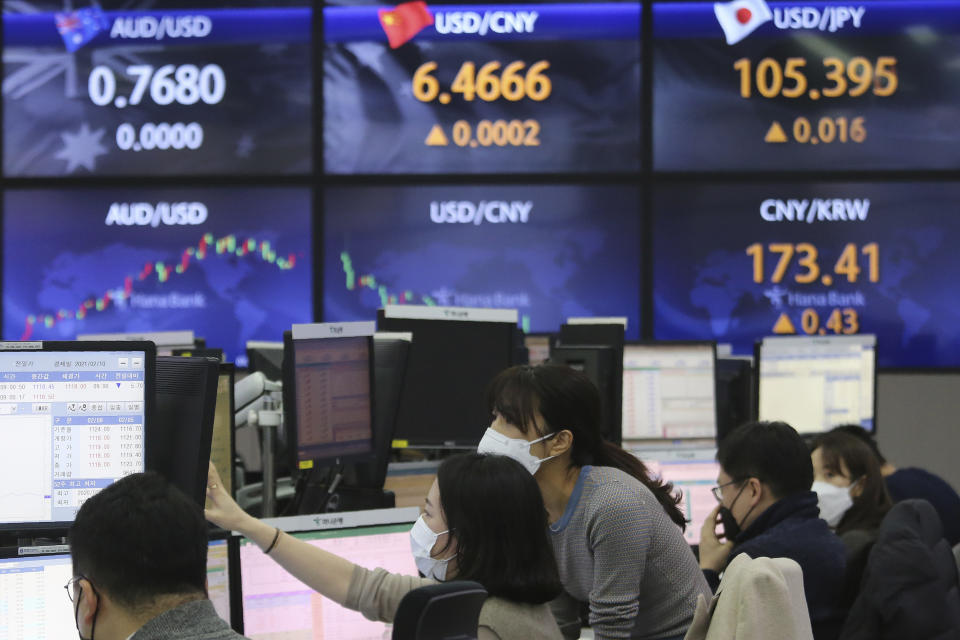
<point>76,610</point>
<point>731,528</point>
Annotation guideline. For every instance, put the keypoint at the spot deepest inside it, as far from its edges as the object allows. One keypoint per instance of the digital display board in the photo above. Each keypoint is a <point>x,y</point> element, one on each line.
<point>231,264</point>
<point>551,252</point>
<point>738,262</point>
<point>481,88</point>
<point>754,85</point>
<point>156,88</point>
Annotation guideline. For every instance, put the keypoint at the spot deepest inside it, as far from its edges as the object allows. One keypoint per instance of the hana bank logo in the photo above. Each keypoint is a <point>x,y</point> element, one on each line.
<point>740,18</point>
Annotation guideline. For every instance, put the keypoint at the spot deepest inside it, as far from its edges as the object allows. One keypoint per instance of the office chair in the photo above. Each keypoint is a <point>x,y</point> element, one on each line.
<point>445,611</point>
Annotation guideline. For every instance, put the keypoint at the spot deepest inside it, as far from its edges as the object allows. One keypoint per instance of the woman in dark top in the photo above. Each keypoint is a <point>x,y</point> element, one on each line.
<point>852,496</point>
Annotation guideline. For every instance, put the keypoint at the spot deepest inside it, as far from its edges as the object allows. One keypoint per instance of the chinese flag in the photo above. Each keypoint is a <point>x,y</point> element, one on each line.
<point>404,21</point>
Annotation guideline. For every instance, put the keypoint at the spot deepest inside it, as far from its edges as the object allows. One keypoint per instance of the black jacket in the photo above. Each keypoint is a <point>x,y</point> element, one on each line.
<point>910,588</point>
<point>792,528</point>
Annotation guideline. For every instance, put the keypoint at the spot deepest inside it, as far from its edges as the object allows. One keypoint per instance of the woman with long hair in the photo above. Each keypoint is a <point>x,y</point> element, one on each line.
<point>850,488</point>
<point>484,521</point>
<point>615,530</point>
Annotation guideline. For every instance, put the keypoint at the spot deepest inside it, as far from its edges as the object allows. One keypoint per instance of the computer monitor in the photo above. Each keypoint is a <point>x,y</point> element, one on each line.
<point>73,419</point>
<point>390,352</point>
<point>218,576</point>
<point>265,357</point>
<point>276,604</point>
<point>599,363</point>
<point>455,353</point>
<point>180,436</point>
<point>166,341</point>
<point>817,383</point>
<point>538,347</point>
<point>693,470</point>
<point>610,333</point>
<point>736,393</point>
<point>329,369</point>
<point>33,603</point>
<point>222,446</point>
<point>669,390</point>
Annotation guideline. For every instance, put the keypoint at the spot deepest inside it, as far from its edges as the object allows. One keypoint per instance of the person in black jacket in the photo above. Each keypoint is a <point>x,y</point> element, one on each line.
<point>768,510</point>
<point>910,588</point>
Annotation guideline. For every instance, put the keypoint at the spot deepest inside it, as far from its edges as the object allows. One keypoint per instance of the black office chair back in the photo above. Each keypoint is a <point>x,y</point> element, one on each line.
<point>445,611</point>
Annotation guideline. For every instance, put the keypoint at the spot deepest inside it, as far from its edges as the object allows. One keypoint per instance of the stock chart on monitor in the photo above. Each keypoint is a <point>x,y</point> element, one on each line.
<point>136,87</point>
<point>231,264</point>
<point>440,87</point>
<point>755,85</point>
<point>551,252</point>
<point>734,263</point>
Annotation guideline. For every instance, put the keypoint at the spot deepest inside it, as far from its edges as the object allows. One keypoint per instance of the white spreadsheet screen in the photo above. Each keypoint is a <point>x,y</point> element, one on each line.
<point>669,391</point>
<point>815,384</point>
<point>71,423</point>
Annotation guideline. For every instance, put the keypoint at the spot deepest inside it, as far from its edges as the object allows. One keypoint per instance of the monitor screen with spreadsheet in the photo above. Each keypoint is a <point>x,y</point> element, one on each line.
<point>218,577</point>
<point>275,604</point>
<point>669,390</point>
<point>333,415</point>
<point>815,384</point>
<point>33,603</point>
<point>72,421</point>
<point>693,471</point>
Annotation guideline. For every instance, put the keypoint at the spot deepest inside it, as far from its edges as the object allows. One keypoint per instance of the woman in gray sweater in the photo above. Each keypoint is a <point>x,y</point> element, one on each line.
<point>484,520</point>
<point>616,532</point>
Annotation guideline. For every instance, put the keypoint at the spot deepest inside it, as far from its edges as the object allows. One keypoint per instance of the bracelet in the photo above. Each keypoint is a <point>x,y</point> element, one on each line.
<point>276,538</point>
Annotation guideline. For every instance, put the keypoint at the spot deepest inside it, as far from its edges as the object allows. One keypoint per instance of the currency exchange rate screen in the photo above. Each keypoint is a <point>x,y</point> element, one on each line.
<point>427,88</point>
<point>156,88</point>
<point>755,85</point>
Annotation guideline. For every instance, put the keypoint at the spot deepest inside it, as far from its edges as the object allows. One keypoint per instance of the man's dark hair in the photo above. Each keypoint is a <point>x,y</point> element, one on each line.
<point>772,452</point>
<point>141,538</point>
<point>864,436</point>
<point>493,506</point>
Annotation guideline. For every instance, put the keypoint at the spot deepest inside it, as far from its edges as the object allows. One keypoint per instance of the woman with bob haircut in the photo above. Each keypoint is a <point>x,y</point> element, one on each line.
<point>616,531</point>
<point>484,521</point>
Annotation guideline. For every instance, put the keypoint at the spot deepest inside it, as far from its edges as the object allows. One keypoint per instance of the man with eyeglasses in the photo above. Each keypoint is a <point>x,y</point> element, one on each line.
<point>766,509</point>
<point>139,551</point>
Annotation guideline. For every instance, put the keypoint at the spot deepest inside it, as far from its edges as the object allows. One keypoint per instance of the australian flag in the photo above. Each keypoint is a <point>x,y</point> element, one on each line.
<point>79,27</point>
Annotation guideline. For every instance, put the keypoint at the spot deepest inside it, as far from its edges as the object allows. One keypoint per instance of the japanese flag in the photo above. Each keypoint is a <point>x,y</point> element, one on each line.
<point>740,18</point>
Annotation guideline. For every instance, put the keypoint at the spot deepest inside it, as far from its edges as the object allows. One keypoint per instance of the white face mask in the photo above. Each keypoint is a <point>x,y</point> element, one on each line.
<point>494,442</point>
<point>834,502</point>
<point>422,539</point>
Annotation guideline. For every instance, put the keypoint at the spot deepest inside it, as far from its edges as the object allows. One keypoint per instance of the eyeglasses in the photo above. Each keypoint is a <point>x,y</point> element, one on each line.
<point>718,494</point>
<point>69,586</point>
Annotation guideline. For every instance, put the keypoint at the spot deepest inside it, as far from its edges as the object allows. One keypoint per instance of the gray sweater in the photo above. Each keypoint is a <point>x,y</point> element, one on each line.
<point>618,550</point>
<point>196,620</point>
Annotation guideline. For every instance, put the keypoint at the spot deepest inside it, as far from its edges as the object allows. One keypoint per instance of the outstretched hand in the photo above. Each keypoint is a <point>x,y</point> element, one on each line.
<point>221,509</point>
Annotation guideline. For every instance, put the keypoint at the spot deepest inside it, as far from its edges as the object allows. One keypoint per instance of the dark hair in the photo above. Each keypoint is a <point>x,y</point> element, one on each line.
<point>863,436</point>
<point>141,538</point>
<point>494,507</point>
<point>568,400</point>
<point>873,502</point>
<point>772,452</point>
